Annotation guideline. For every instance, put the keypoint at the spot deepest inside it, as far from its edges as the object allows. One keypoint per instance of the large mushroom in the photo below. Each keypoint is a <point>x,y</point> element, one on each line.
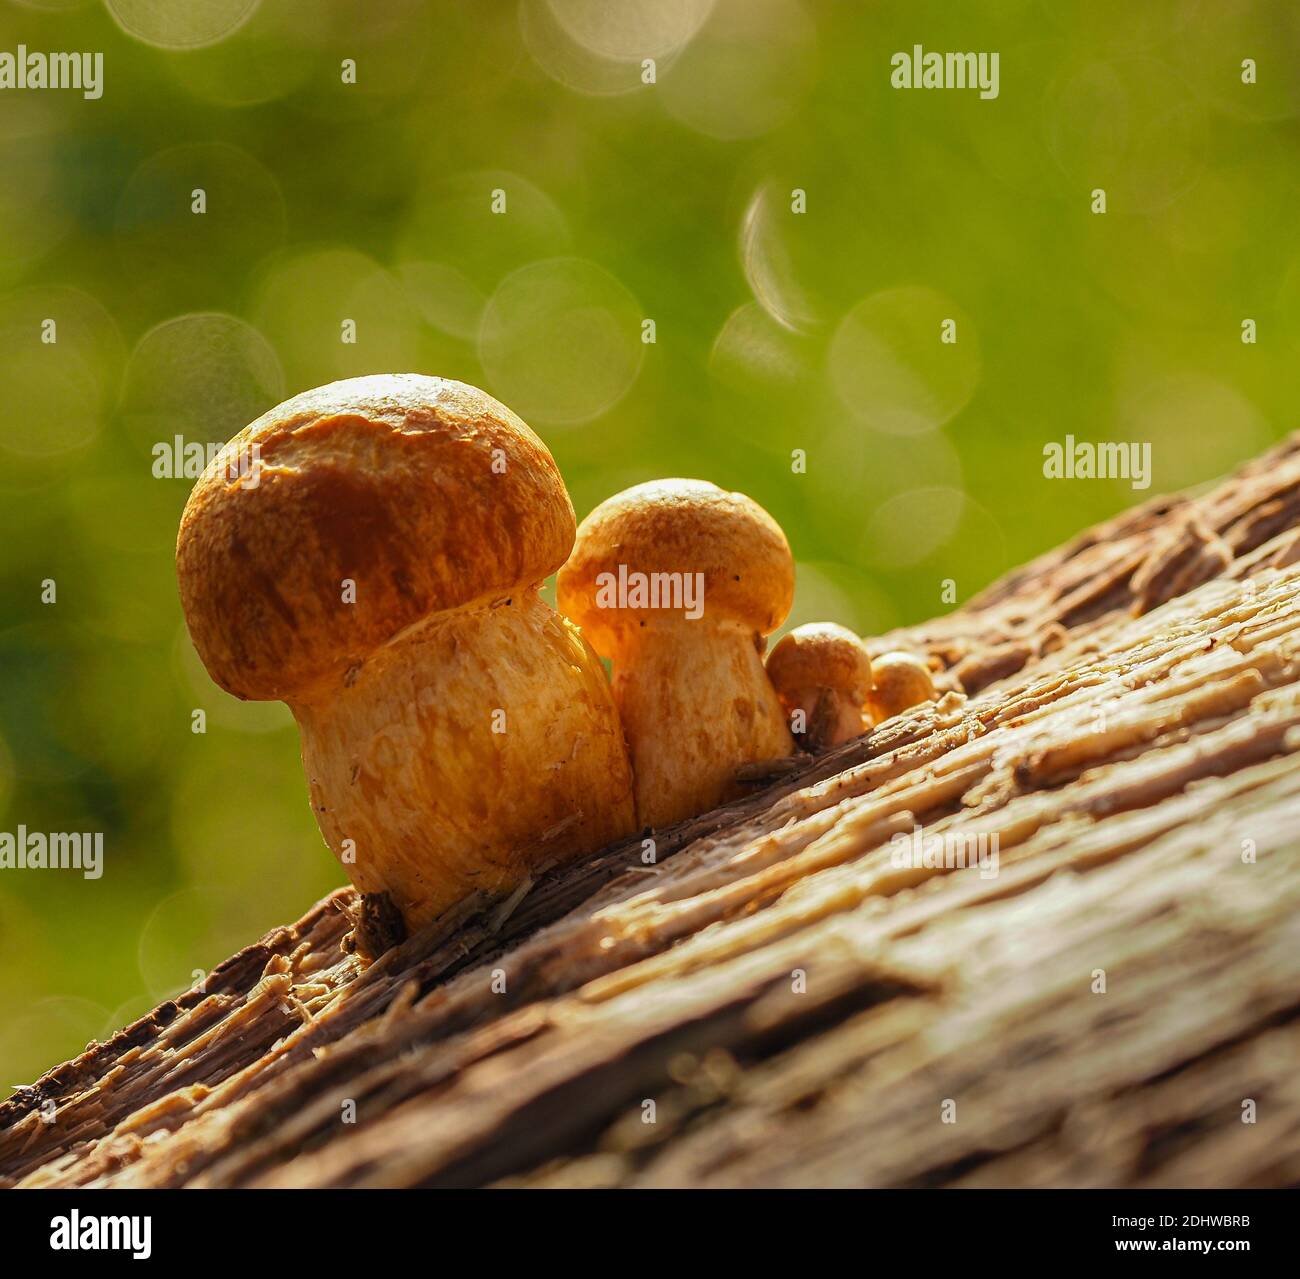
<point>378,571</point>
<point>676,582</point>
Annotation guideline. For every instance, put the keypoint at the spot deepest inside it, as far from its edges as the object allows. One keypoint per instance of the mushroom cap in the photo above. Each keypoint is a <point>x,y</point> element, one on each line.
<point>681,526</point>
<point>899,681</point>
<point>428,494</point>
<point>820,655</point>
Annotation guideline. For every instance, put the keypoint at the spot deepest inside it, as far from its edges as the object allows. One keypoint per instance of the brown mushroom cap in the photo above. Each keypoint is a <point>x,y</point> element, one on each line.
<point>899,682</point>
<point>820,655</point>
<point>427,493</point>
<point>683,526</point>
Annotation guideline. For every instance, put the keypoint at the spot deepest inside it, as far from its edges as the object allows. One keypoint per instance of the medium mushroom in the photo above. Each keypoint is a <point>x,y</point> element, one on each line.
<point>822,674</point>
<point>378,571</point>
<point>898,681</point>
<point>676,582</point>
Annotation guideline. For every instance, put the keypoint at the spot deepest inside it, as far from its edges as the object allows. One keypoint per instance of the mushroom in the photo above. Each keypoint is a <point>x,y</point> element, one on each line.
<point>380,576</point>
<point>822,674</point>
<point>899,681</point>
<point>676,582</point>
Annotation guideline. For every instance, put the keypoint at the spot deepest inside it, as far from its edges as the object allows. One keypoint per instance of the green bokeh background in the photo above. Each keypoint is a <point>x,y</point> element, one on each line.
<point>775,331</point>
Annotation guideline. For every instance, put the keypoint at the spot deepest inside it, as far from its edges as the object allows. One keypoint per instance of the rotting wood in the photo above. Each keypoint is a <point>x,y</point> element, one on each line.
<point>800,1006</point>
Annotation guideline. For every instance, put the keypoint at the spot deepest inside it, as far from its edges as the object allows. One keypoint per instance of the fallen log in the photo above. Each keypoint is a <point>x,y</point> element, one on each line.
<point>1043,932</point>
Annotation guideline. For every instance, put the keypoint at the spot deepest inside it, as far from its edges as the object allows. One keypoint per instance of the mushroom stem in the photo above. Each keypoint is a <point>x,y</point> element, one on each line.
<point>833,719</point>
<point>434,764</point>
<point>695,704</point>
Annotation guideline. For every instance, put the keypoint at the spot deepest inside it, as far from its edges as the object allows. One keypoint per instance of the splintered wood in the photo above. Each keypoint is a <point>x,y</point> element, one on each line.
<point>1045,934</point>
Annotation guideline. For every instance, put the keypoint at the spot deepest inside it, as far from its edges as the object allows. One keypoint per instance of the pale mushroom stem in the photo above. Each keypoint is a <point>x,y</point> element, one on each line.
<point>697,705</point>
<point>833,717</point>
<point>433,766</point>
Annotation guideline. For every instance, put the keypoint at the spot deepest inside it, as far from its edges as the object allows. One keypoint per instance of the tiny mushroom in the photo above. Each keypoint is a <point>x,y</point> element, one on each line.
<point>377,569</point>
<point>676,582</point>
<point>898,682</point>
<point>822,674</point>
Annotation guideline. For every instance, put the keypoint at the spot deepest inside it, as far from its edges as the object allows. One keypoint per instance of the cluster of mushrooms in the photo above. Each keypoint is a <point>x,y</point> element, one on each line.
<point>379,572</point>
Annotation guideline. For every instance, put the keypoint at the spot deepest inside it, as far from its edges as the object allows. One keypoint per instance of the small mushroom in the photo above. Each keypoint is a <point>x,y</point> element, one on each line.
<point>822,674</point>
<point>899,681</point>
<point>676,582</point>
<point>380,576</point>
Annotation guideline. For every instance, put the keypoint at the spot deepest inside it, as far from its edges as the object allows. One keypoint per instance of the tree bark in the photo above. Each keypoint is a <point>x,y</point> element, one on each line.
<point>788,995</point>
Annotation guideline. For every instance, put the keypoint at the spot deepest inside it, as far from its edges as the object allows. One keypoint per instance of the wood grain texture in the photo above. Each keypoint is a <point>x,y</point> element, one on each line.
<point>800,1008</point>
